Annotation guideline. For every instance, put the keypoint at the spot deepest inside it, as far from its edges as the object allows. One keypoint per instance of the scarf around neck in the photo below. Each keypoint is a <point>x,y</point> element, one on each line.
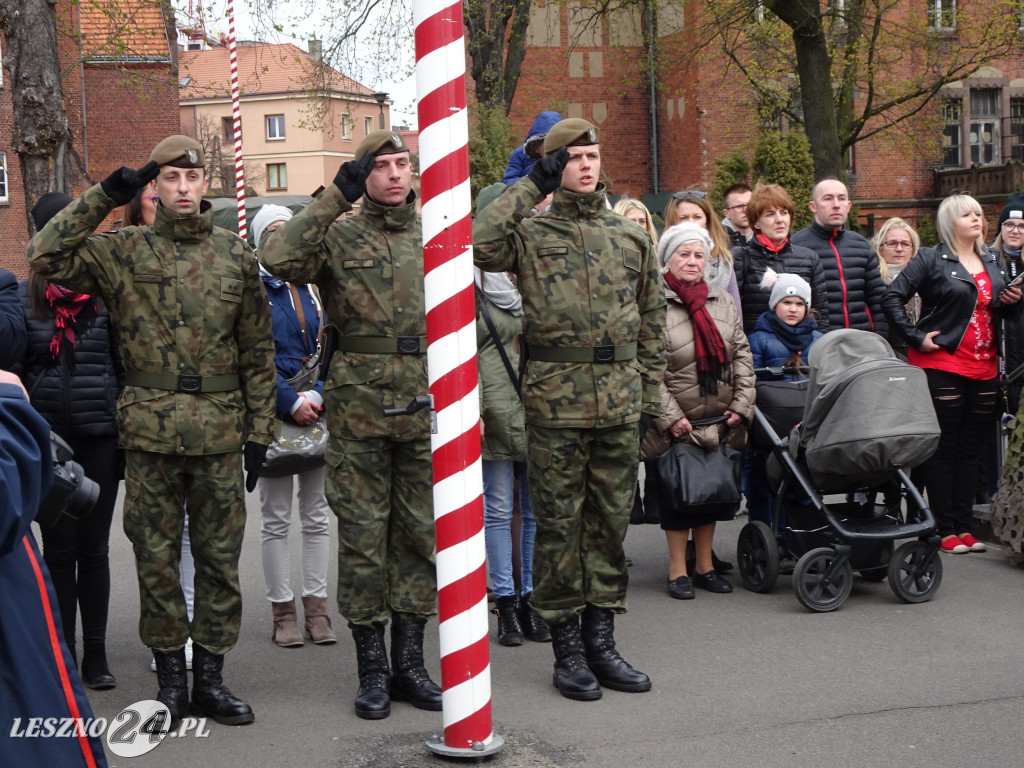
<point>500,291</point>
<point>769,244</point>
<point>795,338</point>
<point>713,361</point>
<point>65,305</point>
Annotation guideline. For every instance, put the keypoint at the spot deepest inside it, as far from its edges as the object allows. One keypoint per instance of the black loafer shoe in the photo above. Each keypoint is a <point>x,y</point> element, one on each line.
<point>722,566</point>
<point>681,588</point>
<point>712,582</point>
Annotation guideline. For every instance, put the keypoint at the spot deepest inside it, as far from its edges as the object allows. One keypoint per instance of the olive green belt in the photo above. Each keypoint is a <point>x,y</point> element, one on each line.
<point>383,345</point>
<point>604,354</point>
<point>191,384</point>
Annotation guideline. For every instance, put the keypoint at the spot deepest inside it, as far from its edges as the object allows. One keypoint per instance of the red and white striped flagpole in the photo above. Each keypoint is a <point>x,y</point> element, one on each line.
<point>236,114</point>
<point>452,370</point>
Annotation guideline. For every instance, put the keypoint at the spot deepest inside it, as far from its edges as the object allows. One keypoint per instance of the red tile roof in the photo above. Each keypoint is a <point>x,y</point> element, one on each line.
<point>262,69</point>
<point>129,28</point>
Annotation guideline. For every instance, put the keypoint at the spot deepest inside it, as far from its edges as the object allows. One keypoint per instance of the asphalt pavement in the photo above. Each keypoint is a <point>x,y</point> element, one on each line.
<point>739,679</point>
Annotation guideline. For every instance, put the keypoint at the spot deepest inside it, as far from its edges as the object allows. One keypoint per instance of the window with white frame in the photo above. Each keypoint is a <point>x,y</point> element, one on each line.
<point>3,179</point>
<point>1017,129</point>
<point>941,14</point>
<point>346,127</point>
<point>951,130</point>
<point>368,125</point>
<point>275,127</point>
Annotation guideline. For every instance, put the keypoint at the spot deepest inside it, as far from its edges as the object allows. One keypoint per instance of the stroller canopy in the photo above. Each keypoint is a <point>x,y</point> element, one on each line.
<point>867,412</point>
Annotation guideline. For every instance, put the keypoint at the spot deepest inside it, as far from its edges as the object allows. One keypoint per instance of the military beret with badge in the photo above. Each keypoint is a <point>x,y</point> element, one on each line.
<point>572,132</point>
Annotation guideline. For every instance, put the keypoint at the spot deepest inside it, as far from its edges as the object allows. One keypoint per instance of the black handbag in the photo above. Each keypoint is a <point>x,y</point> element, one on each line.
<point>691,476</point>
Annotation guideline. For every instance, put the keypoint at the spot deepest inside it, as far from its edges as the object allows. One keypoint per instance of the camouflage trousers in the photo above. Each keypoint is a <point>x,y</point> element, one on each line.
<point>158,489</point>
<point>381,492</point>
<point>582,483</point>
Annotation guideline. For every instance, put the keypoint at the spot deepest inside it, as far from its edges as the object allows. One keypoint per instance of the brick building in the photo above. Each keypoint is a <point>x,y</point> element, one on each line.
<point>121,96</point>
<point>665,136</point>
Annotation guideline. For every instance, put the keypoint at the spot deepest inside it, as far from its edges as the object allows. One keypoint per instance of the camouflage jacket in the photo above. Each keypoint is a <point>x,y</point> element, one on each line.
<point>587,279</point>
<point>185,297</point>
<point>369,269</point>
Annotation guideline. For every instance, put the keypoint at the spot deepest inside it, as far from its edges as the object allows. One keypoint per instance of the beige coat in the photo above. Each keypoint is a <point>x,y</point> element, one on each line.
<point>680,392</point>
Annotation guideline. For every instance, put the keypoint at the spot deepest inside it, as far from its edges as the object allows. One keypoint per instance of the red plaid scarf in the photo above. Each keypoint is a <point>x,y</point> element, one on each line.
<point>713,361</point>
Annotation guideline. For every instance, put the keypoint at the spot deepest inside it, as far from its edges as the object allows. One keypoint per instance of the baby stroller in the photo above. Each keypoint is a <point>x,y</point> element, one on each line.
<point>866,421</point>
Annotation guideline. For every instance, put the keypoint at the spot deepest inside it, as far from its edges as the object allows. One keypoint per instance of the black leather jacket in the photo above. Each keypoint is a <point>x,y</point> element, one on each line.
<point>948,297</point>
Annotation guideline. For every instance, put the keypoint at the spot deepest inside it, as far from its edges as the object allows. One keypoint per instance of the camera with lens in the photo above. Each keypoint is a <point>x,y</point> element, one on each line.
<point>72,493</point>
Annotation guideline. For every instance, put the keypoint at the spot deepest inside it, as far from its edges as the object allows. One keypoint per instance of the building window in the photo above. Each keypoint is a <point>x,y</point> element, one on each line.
<point>368,125</point>
<point>275,127</point>
<point>3,178</point>
<point>227,125</point>
<point>941,14</point>
<point>951,109</point>
<point>984,128</point>
<point>346,127</point>
<point>1017,129</point>
<point>277,176</point>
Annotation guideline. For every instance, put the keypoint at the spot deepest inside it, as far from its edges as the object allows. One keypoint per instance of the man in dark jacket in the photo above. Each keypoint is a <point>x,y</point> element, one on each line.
<point>522,158</point>
<point>852,279</point>
<point>12,321</point>
<point>39,678</point>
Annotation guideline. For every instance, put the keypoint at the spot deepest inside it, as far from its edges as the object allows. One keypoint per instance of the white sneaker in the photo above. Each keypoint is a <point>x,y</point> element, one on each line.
<point>188,657</point>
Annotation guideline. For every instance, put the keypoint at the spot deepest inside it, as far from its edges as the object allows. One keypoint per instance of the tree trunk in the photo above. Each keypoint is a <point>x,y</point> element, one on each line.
<point>814,68</point>
<point>496,51</point>
<point>41,135</point>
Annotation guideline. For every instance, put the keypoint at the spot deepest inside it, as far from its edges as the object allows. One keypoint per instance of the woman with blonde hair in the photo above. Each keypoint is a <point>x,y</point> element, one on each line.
<point>637,212</point>
<point>964,293</point>
<point>692,206</point>
<point>895,243</point>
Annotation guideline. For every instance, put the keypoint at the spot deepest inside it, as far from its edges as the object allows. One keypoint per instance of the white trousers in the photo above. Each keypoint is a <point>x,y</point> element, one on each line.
<point>276,503</point>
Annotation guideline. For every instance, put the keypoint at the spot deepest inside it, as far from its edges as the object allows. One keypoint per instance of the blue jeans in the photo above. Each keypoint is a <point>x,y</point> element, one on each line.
<point>499,478</point>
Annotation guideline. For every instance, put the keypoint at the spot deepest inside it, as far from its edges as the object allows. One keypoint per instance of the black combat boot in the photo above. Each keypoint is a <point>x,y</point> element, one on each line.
<point>509,630</point>
<point>410,681</point>
<point>572,677</point>
<point>534,627</point>
<point>610,669</point>
<point>172,678</point>
<point>372,700</point>
<point>209,694</point>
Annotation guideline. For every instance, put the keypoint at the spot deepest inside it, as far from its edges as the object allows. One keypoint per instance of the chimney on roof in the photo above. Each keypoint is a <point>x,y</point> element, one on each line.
<point>316,49</point>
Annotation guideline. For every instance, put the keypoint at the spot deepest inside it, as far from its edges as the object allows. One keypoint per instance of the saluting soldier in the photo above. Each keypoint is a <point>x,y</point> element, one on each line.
<point>369,269</point>
<point>594,310</point>
<point>193,328</point>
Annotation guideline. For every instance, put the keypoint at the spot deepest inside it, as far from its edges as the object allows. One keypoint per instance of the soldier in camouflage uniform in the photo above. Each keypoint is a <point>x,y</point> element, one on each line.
<point>193,328</point>
<point>369,269</point>
<point>594,311</point>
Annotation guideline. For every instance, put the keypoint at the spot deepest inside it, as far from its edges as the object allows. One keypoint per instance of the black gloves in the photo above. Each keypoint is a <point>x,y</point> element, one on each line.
<point>254,455</point>
<point>547,172</point>
<point>645,424</point>
<point>351,177</point>
<point>123,183</point>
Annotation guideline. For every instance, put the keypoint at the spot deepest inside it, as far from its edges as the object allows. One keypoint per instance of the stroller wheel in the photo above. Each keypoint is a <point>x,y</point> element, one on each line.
<point>818,585</point>
<point>915,572</point>
<point>758,557</point>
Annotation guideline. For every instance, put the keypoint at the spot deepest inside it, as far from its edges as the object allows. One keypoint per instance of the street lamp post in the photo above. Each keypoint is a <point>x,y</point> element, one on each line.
<point>380,97</point>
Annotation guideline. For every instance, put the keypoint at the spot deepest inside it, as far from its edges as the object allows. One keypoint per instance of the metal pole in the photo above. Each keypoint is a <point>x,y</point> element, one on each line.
<point>452,371</point>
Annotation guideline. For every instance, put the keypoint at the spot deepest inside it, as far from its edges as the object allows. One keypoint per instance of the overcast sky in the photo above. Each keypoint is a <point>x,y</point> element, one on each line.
<point>402,93</point>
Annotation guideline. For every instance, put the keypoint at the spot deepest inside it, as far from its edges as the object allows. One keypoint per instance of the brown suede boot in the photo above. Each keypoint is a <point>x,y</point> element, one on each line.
<point>286,625</point>
<point>318,623</point>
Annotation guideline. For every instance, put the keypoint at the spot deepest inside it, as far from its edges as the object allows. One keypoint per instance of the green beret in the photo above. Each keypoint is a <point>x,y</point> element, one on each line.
<point>382,143</point>
<point>573,132</point>
<point>179,151</point>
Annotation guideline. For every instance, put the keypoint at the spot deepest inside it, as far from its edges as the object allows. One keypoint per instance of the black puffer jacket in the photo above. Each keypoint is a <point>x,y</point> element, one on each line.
<point>852,278</point>
<point>948,297</point>
<point>751,262</point>
<point>77,393</point>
